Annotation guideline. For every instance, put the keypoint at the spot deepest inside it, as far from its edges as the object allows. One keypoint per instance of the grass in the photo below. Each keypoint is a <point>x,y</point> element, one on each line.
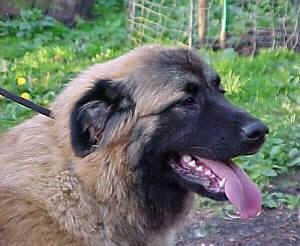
<point>268,85</point>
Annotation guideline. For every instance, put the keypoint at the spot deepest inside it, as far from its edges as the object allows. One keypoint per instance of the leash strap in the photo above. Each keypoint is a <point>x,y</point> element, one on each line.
<point>26,103</point>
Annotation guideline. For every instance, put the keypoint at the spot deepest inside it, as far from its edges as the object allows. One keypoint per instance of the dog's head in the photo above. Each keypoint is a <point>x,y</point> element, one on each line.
<point>180,130</point>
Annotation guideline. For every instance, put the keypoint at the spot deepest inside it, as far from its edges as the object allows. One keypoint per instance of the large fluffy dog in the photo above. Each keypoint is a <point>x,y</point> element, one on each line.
<point>131,142</point>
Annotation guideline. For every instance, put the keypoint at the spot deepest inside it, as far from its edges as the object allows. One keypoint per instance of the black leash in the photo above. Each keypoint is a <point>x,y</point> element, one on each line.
<point>26,103</point>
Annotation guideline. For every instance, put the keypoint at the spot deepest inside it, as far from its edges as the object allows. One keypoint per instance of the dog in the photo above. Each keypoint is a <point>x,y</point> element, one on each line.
<point>132,141</point>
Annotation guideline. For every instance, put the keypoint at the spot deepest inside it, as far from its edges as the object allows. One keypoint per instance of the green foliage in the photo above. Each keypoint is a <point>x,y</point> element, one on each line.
<point>30,24</point>
<point>48,57</point>
<point>112,5</point>
<point>33,29</point>
<point>246,15</point>
<point>279,199</point>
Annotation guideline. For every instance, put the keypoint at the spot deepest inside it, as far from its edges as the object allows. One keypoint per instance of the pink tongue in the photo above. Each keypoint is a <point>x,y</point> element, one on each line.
<point>239,189</point>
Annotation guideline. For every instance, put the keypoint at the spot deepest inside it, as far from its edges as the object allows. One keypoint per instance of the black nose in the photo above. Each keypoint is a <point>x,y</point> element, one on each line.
<point>255,130</point>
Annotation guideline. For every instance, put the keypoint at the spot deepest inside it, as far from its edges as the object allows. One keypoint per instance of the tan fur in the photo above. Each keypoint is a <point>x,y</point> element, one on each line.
<point>48,196</point>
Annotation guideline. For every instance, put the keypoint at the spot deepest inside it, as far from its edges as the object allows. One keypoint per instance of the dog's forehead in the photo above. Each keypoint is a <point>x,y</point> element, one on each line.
<point>164,77</point>
<point>175,68</point>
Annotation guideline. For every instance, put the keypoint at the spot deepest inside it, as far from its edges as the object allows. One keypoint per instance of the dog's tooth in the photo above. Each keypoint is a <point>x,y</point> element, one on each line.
<point>222,182</point>
<point>217,190</point>
<point>199,168</point>
<point>207,182</point>
<point>186,158</point>
<point>192,163</point>
<point>207,172</point>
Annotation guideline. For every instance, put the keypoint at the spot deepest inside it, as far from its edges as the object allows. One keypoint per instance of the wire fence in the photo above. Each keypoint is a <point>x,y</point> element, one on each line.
<point>244,25</point>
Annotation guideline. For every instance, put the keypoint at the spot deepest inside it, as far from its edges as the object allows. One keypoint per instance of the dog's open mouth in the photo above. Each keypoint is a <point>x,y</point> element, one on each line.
<point>219,180</point>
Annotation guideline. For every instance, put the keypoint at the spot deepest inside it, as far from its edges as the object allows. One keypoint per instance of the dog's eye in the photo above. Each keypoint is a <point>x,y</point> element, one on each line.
<point>188,101</point>
<point>223,91</point>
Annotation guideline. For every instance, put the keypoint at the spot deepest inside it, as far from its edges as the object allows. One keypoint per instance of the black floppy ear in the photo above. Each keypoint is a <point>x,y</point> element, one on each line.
<point>96,114</point>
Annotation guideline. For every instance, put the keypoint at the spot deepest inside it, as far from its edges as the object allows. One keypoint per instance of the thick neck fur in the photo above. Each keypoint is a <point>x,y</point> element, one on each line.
<point>95,199</point>
<point>161,206</point>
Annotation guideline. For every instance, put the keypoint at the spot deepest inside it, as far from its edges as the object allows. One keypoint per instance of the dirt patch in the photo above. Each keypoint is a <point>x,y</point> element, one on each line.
<point>272,227</point>
<point>276,227</point>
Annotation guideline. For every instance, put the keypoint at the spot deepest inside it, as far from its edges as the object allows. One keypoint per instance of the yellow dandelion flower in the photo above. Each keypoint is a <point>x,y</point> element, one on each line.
<point>21,81</point>
<point>25,95</point>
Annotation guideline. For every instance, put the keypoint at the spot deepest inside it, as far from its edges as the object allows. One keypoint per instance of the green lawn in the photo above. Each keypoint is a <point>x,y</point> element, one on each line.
<point>41,62</point>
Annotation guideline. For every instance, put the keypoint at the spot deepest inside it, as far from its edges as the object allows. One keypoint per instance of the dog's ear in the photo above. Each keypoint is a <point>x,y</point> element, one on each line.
<point>94,117</point>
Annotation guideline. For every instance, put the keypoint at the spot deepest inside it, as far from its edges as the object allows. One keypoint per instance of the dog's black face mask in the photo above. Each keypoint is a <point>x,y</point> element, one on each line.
<point>205,123</point>
<point>184,135</point>
<point>195,138</point>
